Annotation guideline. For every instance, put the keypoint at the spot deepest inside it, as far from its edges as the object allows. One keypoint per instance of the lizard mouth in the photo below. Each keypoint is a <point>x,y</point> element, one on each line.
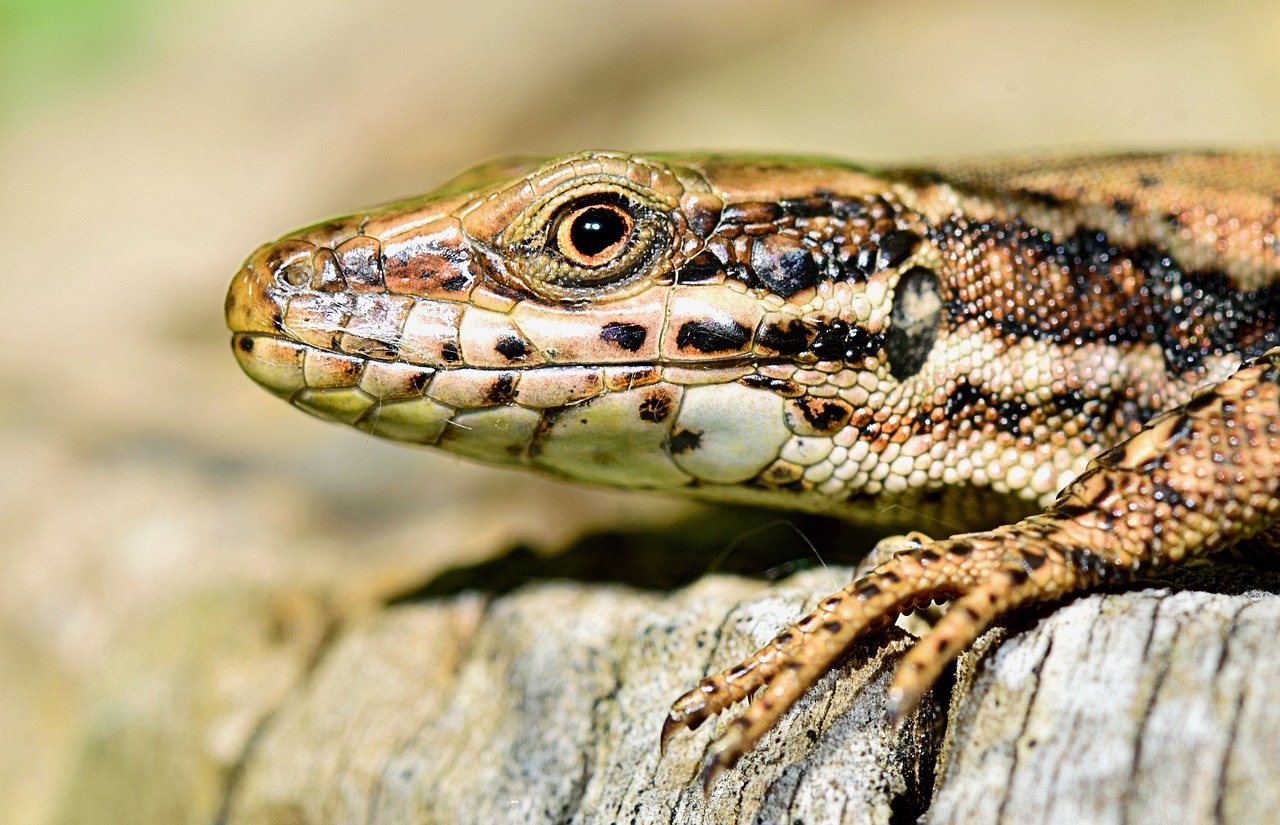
<point>290,368</point>
<point>628,425</point>
<point>355,389</point>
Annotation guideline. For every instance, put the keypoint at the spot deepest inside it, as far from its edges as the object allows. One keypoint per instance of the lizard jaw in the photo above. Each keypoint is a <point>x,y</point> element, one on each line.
<point>638,426</point>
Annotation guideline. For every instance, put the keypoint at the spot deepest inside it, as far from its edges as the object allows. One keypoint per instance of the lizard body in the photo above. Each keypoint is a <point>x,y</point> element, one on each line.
<point>1077,355</point>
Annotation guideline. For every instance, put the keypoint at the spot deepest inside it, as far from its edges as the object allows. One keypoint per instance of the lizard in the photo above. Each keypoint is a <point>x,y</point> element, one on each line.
<point>1076,357</point>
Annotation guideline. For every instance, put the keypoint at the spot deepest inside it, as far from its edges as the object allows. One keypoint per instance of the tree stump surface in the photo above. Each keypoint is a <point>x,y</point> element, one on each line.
<point>543,704</point>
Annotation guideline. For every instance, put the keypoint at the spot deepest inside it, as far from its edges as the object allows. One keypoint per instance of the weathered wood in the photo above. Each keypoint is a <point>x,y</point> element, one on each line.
<point>543,705</point>
<point>1154,705</point>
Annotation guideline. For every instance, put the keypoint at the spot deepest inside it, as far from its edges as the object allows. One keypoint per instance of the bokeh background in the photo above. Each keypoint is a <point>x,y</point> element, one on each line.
<point>146,147</point>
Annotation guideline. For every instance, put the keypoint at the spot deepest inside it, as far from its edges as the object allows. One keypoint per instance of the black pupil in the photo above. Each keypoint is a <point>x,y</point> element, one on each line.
<point>596,229</point>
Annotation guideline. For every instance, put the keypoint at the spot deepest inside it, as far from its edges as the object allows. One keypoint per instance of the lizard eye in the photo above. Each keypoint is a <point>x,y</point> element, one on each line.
<point>595,245</point>
<point>593,234</point>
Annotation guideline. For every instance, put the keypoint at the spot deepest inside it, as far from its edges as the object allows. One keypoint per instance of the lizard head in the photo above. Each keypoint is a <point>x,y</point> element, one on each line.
<point>734,327</point>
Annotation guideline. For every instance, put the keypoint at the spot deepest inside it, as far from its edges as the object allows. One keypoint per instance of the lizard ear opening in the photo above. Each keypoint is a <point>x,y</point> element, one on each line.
<point>914,321</point>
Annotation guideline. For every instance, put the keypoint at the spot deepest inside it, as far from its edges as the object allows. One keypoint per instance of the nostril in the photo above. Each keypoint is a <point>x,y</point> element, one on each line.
<point>295,273</point>
<point>291,262</point>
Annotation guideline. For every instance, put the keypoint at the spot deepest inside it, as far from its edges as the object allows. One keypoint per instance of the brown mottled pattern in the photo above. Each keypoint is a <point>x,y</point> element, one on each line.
<point>1211,210</point>
<point>1091,343</point>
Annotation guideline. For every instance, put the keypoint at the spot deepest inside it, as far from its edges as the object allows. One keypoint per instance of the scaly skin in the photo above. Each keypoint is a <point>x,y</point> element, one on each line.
<point>956,343</point>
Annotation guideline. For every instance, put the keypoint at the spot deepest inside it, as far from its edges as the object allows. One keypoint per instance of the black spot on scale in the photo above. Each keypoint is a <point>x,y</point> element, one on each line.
<point>782,386</point>
<point>963,401</point>
<point>684,441</point>
<point>824,416</point>
<point>703,268</point>
<point>1010,414</point>
<point>856,263</point>
<point>456,283</point>
<point>840,341</point>
<point>784,266</point>
<point>1017,576</point>
<point>1163,492</point>
<point>656,406</point>
<point>503,390</point>
<point>713,335</point>
<point>449,352</point>
<point>913,322</point>
<point>630,337</point>
<point>1088,248</point>
<point>789,338</point>
<point>512,347</point>
<point>896,246</point>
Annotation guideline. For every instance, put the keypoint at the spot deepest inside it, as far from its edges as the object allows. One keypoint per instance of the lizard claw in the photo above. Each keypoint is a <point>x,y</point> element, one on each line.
<point>684,714</point>
<point>711,770</point>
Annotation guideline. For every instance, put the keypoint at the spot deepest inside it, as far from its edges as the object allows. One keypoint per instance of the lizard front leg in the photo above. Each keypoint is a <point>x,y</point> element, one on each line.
<point>1195,480</point>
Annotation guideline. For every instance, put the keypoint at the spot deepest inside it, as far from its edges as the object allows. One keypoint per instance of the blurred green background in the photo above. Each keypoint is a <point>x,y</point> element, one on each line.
<point>146,147</point>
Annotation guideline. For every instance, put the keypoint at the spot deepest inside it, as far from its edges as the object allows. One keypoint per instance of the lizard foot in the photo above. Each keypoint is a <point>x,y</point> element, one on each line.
<point>980,569</point>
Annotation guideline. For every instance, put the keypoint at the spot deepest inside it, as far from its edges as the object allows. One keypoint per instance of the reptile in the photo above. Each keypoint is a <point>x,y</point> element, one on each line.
<point>1076,357</point>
